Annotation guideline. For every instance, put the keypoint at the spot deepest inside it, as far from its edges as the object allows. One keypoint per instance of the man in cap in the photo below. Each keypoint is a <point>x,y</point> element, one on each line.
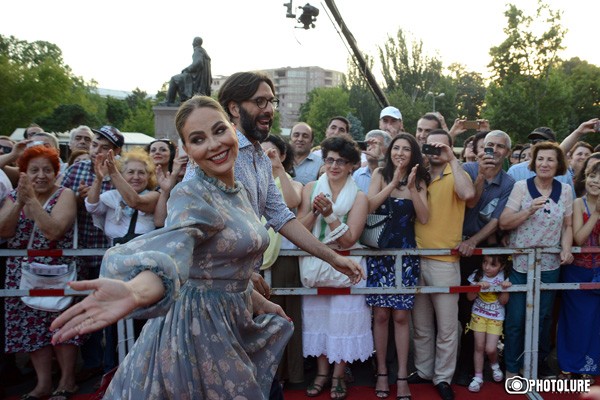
<point>79,177</point>
<point>390,120</point>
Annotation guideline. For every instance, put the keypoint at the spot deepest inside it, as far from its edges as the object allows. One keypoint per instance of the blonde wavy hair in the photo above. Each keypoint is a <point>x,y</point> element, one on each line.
<point>139,154</point>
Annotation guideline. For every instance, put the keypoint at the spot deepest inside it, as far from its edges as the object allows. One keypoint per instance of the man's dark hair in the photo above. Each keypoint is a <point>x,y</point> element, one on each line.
<point>240,87</point>
<point>433,117</point>
<point>32,125</point>
<point>445,133</point>
<point>340,118</point>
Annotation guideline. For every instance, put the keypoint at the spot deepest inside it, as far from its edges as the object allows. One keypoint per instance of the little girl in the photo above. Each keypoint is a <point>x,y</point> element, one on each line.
<point>487,316</point>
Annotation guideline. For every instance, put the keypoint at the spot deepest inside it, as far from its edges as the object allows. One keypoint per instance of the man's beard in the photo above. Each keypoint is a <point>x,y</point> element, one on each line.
<point>248,125</point>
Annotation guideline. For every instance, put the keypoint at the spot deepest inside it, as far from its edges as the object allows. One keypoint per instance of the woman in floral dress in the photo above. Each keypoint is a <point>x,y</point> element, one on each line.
<point>194,276</point>
<point>400,187</point>
<point>40,208</point>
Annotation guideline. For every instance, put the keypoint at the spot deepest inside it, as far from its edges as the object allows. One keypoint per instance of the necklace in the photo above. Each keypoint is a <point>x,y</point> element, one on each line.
<point>219,183</point>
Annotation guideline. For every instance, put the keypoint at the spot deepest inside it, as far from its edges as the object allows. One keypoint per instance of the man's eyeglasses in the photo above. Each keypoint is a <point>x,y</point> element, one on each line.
<point>261,102</point>
<point>339,161</point>
<point>6,149</point>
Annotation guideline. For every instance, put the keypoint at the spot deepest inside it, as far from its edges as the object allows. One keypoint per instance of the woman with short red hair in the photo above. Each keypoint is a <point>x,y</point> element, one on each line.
<point>38,214</point>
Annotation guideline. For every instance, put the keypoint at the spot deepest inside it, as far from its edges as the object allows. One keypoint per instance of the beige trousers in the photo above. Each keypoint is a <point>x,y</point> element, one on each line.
<point>435,322</point>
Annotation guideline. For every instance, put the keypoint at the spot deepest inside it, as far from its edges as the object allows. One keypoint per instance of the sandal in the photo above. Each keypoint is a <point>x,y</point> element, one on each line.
<point>589,378</point>
<point>564,375</point>
<point>338,392</point>
<point>406,396</point>
<point>315,388</point>
<point>381,394</point>
<point>63,394</point>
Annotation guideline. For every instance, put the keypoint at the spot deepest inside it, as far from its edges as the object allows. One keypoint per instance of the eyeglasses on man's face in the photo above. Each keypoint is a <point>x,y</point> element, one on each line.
<point>261,102</point>
<point>339,161</point>
<point>6,149</point>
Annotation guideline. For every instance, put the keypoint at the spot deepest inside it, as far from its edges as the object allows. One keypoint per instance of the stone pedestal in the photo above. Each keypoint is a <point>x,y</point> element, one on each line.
<point>164,122</point>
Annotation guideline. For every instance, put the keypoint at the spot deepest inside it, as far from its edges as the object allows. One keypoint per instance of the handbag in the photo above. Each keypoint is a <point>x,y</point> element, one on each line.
<point>36,275</point>
<point>376,228</point>
<point>130,232</point>
<point>315,272</point>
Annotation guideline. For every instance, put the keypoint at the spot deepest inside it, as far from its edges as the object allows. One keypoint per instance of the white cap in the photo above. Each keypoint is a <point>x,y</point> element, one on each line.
<point>390,112</point>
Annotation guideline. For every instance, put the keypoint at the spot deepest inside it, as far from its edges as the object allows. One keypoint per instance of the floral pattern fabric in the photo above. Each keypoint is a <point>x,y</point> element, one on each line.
<point>28,329</point>
<point>542,229</point>
<point>381,271</point>
<point>203,341</point>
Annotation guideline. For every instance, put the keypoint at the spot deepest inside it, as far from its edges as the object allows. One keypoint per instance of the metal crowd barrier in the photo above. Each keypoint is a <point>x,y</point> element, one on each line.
<point>532,288</point>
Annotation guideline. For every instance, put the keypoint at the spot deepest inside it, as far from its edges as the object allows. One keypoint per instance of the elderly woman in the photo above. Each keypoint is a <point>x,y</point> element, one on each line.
<point>114,210</point>
<point>42,213</point>
<point>193,277</point>
<point>538,213</point>
<point>336,329</point>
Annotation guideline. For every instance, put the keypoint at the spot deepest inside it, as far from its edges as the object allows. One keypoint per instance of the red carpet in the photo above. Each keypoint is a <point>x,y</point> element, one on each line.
<point>419,392</point>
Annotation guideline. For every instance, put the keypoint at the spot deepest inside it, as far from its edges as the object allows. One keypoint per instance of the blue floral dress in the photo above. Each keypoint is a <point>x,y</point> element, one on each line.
<point>203,341</point>
<point>381,271</point>
<point>27,329</point>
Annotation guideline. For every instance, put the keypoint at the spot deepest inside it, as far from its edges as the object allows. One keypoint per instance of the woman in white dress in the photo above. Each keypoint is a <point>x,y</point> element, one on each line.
<point>336,329</point>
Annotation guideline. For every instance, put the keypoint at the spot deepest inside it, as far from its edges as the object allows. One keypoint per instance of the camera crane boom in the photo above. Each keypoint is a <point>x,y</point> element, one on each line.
<point>309,16</point>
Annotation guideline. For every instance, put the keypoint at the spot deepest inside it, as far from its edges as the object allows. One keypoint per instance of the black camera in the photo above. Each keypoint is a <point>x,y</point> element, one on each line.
<point>431,150</point>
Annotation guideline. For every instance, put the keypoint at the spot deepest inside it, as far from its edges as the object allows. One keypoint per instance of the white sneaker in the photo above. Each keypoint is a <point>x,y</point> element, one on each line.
<point>497,373</point>
<point>475,385</point>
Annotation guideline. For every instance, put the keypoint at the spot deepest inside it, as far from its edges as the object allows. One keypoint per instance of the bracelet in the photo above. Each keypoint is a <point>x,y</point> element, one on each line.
<point>331,218</point>
<point>336,233</point>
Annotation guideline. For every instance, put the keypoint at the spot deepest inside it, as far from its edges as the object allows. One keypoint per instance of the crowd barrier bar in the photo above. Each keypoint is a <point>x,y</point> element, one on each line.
<point>532,288</point>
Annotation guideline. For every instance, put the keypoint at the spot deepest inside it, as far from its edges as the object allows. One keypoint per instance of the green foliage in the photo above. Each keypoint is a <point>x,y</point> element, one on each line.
<point>117,111</point>
<point>527,90</point>
<point>37,86</point>
<point>356,129</point>
<point>583,79</point>
<point>361,99</point>
<point>413,72</point>
<point>322,104</point>
<point>66,117</point>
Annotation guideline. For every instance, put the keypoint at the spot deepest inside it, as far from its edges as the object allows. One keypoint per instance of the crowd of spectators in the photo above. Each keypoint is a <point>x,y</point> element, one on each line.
<point>494,194</point>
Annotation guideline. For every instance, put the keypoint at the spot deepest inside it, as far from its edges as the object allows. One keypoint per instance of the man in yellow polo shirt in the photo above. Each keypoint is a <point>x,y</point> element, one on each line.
<point>435,316</point>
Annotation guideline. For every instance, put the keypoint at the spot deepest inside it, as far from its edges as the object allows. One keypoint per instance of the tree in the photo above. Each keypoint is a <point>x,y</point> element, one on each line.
<point>321,105</point>
<point>583,80</point>
<point>356,129</point>
<point>66,117</point>
<point>35,81</point>
<point>526,91</point>
<point>361,98</point>
<point>413,72</point>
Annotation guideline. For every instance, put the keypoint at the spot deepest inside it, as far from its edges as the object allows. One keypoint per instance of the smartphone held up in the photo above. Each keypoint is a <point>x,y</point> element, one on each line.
<point>431,150</point>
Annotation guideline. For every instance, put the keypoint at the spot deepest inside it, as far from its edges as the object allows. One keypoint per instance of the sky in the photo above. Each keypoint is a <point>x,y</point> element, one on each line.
<point>129,44</point>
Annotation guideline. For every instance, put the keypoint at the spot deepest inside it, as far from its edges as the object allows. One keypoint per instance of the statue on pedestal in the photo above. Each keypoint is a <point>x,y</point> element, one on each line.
<point>194,79</point>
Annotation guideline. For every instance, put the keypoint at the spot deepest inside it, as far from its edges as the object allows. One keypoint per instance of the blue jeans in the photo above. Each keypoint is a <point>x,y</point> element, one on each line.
<point>514,324</point>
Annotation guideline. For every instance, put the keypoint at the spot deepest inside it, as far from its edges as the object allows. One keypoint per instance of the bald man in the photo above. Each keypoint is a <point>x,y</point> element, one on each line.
<point>306,164</point>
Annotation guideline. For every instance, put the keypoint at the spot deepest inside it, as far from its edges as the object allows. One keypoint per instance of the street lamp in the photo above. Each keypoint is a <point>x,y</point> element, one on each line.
<point>433,97</point>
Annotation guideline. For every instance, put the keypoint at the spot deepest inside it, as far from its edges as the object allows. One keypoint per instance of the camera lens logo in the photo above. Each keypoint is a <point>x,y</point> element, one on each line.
<point>516,385</point>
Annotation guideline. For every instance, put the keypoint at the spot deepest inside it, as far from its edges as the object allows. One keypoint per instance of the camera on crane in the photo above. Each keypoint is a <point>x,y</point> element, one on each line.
<point>308,17</point>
